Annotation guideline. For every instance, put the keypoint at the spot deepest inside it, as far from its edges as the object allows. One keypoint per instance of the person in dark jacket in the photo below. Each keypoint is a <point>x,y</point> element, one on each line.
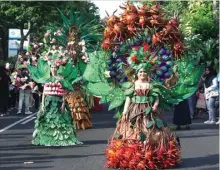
<point>4,90</point>
<point>182,115</point>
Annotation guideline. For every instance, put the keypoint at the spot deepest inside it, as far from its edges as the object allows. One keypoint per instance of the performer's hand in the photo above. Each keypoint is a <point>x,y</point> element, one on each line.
<point>42,108</point>
<point>124,117</point>
<point>62,107</point>
<point>154,108</point>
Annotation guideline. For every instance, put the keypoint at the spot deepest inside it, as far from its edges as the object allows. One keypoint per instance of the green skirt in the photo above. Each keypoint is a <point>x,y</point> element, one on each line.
<point>53,127</point>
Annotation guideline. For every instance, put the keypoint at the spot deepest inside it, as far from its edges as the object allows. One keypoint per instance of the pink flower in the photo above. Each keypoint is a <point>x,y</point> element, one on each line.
<point>53,40</point>
<point>54,47</point>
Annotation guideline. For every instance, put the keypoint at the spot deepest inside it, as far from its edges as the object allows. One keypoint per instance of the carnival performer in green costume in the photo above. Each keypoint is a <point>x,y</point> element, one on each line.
<point>61,62</point>
<point>54,125</point>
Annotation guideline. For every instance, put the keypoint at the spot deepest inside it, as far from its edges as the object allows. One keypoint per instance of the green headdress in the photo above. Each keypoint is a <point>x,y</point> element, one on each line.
<point>140,59</point>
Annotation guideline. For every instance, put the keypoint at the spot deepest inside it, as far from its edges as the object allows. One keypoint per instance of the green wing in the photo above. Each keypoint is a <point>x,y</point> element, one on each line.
<point>40,73</point>
<point>95,69</point>
<point>186,86</point>
<point>97,83</point>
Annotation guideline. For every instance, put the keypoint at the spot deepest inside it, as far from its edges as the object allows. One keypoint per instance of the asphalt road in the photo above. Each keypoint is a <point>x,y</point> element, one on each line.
<point>200,146</point>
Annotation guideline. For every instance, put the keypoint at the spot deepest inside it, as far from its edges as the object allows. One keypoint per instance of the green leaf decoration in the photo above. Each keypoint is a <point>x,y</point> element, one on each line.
<point>91,74</point>
<point>157,90</point>
<point>155,94</point>
<point>151,99</point>
<point>55,133</point>
<point>148,110</point>
<point>96,67</point>
<point>118,115</point>
<point>142,137</point>
<point>129,92</point>
<point>116,136</point>
<point>164,105</point>
<point>82,67</point>
<point>65,71</point>
<point>99,89</point>
<point>66,85</point>
<point>159,123</point>
<point>77,80</point>
<point>41,73</point>
<point>118,99</point>
<point>165,123</point>
<point>52,126</point>
<point>127,85</point>
<point>150,123</point>
<point>73,74</point>
<point>61,137</point>
<point>103,100</point>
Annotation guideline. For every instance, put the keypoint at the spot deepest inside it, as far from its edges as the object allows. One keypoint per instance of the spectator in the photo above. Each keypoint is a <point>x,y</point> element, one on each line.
<point>24,91</point>
<point>12,91</point>
<point>4,90</point>
<point>36,96</point>
<point>201,102</point>
<point>217,99</point>
<point>182,115</point>
<point>210,85</point>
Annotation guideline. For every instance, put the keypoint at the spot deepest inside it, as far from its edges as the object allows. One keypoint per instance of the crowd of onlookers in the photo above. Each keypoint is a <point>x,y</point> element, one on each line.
<point>17,90</point>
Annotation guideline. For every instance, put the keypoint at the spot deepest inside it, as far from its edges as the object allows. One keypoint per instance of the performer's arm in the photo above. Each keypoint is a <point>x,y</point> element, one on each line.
<point>127,104</point>
<point>155,106</point>
<point>43,97</point>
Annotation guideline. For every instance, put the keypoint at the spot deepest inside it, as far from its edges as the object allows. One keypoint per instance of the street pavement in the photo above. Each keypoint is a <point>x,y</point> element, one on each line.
<point>200,145</point>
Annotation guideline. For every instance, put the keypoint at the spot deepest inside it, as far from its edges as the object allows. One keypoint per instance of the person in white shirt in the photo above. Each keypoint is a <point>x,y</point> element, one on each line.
<point>24,91</point>
<point>210,85</point>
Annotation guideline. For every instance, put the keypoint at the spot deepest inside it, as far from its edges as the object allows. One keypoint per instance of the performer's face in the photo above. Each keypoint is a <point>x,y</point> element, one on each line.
<point>53,69</point>
<point>142,74</point>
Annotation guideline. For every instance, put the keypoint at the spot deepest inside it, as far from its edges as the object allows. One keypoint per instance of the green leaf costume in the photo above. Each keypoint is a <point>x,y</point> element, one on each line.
<point>65,45</point>
<point>52,126</point>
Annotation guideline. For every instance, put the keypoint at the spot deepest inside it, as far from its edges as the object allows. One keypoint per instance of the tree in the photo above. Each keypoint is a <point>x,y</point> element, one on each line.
<point>39,14</point>
<point>199,20</point>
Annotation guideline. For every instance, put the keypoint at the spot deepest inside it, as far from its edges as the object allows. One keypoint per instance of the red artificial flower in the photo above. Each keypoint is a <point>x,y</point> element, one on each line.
<point>134,59</point>
<point>146,46</point>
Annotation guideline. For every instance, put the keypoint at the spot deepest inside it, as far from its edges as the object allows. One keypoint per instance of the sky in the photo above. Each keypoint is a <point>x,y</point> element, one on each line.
<point>109,6</point>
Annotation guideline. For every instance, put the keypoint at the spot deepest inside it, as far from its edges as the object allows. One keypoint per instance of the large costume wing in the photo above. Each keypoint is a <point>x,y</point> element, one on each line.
<point>187,75</point>
<point>98,83</point>
<point>40,73</point>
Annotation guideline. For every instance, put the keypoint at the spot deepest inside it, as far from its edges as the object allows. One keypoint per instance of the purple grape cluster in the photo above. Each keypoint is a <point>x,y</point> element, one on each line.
<point>115,68</point>
<point>164,64</point>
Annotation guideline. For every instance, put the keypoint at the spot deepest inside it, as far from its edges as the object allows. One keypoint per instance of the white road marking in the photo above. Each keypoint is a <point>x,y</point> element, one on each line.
<point>19,121</point>
<point>28,120</point>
